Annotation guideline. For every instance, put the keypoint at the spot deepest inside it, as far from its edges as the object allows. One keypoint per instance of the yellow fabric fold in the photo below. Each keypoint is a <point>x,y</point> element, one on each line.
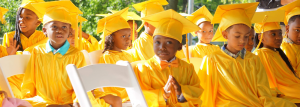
<point>292,51</point>
<point>142,47</point>
<point>200,50</point>
<point>46,77</point>
<point>152,79</point>
<point>279,74</point>
<point>229,82</point>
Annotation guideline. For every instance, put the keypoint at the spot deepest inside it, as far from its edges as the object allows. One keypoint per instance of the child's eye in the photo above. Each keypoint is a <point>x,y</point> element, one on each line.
<point>273,34</point>
<point>157,42</point>
<point>169,42</point>
<point>237,36</point>
<point>64,27</point>
<point>54,27</point>
<point>27,18</point>
<point>123,36</point>
<point>204,31</point>
<point>210,31</point>
<point>297,30</point>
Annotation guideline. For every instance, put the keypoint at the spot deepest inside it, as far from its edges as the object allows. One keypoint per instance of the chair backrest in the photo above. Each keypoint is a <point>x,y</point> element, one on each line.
<point>95,56</point>
<point>196,62</point>
<point>9,66</point>
<point>86,57</point>
<point>105,75</point>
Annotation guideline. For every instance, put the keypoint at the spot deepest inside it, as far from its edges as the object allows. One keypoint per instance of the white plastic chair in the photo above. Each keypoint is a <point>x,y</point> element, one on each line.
<point>9,66</point>
<point>105,75</point>
<point>196,62</point>
<point>86,57</point>
<point>95,56</point>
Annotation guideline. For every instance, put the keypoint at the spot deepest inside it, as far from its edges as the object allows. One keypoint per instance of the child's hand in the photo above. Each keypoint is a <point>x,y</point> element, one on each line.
<point>114,101</point>
<point>167,87</point>
<point>5,94</point>
<point>13,48</point>
<point>176,86</point>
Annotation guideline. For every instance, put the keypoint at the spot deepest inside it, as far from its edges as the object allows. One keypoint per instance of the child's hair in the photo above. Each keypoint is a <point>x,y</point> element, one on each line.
<point>281,53</point>
<point>18,30</point>
<point>293,18</point>
<point>109,43</point>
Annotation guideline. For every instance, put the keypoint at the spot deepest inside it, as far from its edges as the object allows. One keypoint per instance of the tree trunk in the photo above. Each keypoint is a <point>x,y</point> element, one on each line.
<point>172,4</point>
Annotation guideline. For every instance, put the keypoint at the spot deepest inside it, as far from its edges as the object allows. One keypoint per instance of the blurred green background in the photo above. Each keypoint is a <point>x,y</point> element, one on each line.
<point>92,7</point>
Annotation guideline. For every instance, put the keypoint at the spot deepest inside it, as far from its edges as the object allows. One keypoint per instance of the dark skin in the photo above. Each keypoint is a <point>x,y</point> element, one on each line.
<point>28,22</point>
<point>165,48</point>
<point>121,39</point>
<point>272,39</point>
<point>250,43</point>
<point>149,28</point>
<point>206,33</point>
<point>293,31</point>
<point>237,36</point>
<point>57,32</point>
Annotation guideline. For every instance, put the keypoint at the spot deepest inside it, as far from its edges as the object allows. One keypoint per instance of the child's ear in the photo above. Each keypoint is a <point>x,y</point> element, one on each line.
<point>287,27</point>
<point>180,46</point>
<point>44,30</point>
<point>225,34</point>
<point>38,23</point>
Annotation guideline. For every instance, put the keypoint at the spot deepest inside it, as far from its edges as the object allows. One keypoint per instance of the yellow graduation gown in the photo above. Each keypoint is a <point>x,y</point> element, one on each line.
<point>292,51</point>
<point>3,52</point>
<point>86,45</point>
<point>281,78</point>
<point>201,49</point>
<point>26,42</point>
<point>230,82</point>
<point>142,47</point>
<point>46,80</point>
<point>112,57</point>
<point>94,42</point>
<point>152,79</point>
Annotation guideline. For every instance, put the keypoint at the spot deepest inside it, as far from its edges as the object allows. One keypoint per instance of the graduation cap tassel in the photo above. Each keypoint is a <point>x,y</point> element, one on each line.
<point>140,28</point>
<point>133,33</point>
<point>262,33</point>
<point>76,32</point>
<point>187,49</point>
<point>80,35</point>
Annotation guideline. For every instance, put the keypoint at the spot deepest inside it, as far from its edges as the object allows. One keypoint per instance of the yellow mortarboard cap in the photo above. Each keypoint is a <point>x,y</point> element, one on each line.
<point>2,12</point>
<point>113,23</point>
<point>130,15</point>
<point>27,4</point>
<point>201,15</point>
<point>150,7</point>
<point>228,15</point>
<point>104,15</point>
<point>57,11</point>
<point>291,10</point>
<point>266,21</point>
<point>171,24</point>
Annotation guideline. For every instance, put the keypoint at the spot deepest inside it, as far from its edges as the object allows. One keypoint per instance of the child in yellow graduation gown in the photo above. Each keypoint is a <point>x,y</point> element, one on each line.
<point>46,81</point>
<point>8,50</point>
<point>26,33</point>
<point>282,78</point>
<point>26,36</point>
<point>141,49</point>
<point>291,43</point>
<point>202,17</point>
<point>165,79</point>
<point>117,33</point>
<point>232,76</point>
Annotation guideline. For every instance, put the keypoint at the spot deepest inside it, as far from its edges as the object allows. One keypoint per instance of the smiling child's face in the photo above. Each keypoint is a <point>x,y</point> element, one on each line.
<point>165,48</point>
<point>28,20</point>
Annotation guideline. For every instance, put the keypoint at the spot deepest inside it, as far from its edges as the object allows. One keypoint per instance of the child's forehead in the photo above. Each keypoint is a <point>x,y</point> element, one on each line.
<point>161,37</point>
<point>27,12</point>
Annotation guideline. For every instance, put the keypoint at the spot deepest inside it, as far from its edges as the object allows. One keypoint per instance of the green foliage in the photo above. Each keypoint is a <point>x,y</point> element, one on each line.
<point>92,7</point>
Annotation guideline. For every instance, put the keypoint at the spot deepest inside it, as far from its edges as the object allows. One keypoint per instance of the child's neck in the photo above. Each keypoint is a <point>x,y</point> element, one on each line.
<point>269,47</point>
<point>232,50</point>
<point>29,33</point>
<point>56,46</point>
<point>202,42</point>
<point>117,49</point>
